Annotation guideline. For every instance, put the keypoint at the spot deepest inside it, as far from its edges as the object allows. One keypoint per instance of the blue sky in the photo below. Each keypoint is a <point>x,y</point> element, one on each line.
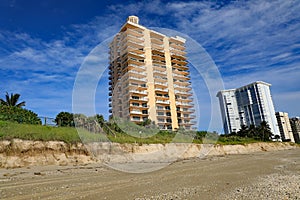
<point>43,44</point>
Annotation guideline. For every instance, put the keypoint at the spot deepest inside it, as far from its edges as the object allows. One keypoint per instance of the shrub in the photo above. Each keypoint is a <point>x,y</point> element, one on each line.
<point>20,115</point>
<point>65,119</point>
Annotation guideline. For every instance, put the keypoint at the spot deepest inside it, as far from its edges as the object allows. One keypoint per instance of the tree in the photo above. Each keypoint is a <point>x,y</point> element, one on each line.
<point>12,100</point>
<point>265,131</point>
<point>243,131</point>
<point>147,122</point>
<point>252,131</point>
<point>100,119</point>
<point>65,119</point>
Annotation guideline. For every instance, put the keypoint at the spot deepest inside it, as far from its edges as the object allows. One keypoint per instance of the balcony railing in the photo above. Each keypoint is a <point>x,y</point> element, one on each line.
<point>140,99</point>
<point>138,79</point>
<point>160,89</point>
<point>163,102</point>
<point>138,91</point>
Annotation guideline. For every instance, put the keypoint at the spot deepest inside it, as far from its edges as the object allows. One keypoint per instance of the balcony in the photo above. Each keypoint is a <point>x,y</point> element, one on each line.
<point>131,37</point>
<point>161,90</point>
<point>135,112</point>
<point>160,73</point>
<point>179,66</point>
<point>137,79</point>
<point>136,62</point>
<point>177,52</point>
<point>157,47</point>
<point>180,87</point>
<point>177,46</point>
<point>180,76</point>
<point>139,99</point>
<point>160,84</point>
<point>135,67</point>
<point>162,101</point>
<point>135,44</point>
<point>139,106</point>
<point>144,92</point>
<point>183,93</point>
<point>180,72</point>
<point>179,62</point>
<point>186,105</point>
<point>136,33</point>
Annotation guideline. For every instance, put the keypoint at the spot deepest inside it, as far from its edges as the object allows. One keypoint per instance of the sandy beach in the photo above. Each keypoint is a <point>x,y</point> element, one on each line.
<point>261,175</point>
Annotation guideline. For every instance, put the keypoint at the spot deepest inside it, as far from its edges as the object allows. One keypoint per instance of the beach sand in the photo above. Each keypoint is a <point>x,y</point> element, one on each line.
<point>262,175</point>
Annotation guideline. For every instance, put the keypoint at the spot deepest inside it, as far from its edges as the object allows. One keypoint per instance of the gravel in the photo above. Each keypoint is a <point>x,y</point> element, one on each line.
<point>270,187</point>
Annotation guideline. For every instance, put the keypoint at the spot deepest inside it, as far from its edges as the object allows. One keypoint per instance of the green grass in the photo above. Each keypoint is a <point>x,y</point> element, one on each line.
<point>11,130</point>
<point>159,138</point>
<point>232,140</point>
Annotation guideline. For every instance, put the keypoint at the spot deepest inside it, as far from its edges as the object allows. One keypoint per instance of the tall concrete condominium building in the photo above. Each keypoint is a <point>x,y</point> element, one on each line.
<point>149,77</point>
<point>250,104</point>
<point>295,124</point>
<point>285,126</point>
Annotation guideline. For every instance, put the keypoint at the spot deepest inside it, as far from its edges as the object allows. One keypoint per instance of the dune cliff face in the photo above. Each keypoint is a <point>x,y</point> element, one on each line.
<point>20,153</point>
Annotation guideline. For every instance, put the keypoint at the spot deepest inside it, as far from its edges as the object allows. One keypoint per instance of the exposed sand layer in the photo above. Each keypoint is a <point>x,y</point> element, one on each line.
<point>19,153</point>
<point>260,175</point>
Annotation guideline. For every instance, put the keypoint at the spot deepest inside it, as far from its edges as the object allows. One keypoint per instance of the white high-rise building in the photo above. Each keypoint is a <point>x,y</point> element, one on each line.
<point>284,126</point>
<point>247,105</point>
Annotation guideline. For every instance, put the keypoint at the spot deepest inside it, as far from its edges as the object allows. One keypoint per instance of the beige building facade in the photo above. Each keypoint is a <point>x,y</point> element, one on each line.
<point>295,124</point>
<point>149,77</point>
<point>284,126</point>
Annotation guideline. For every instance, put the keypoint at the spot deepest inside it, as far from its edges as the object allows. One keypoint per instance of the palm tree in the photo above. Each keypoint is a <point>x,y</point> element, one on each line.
<point>265,131</point>
<point>243,131</point>
<point>12,100</point>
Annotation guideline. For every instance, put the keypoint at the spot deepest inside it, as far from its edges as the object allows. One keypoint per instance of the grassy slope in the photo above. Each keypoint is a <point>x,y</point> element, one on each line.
<point>10,130</point>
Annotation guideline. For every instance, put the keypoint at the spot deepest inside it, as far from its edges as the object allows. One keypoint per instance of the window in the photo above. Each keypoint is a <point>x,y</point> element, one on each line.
<point>160,113</point>
<point>161,119</point>
<point>145,111</point>
<point>135,97</point>
<point>135,104</point>
<point>136,118</point>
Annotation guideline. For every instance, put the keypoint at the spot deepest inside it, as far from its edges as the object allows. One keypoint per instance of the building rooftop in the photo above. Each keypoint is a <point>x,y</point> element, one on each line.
<point>248,85</point>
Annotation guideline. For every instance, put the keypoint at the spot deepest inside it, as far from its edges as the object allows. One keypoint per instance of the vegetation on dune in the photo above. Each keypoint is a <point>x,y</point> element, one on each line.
<point>11,110</point>
<point>65,119</point>
<point>249,134</point>
<point>112,133</point>
<point>20,115</point>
